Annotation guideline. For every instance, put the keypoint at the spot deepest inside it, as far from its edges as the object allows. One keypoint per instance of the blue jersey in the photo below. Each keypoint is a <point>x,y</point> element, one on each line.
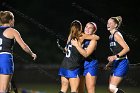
<point>6,63</point>
<point>120,67</point>
<point>85,45</point>
<point>90,64</point>
<point>69,73</point>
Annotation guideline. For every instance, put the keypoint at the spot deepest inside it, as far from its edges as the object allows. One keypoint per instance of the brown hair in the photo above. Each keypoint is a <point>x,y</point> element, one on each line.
<point>6,16</point>
<point>75,29</point>
<point>117,20</point>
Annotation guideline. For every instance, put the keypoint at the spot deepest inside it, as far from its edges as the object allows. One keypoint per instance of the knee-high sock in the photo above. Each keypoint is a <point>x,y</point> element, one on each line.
<point>113,88</point>
<point>61,92</point>
<point>120,91</point>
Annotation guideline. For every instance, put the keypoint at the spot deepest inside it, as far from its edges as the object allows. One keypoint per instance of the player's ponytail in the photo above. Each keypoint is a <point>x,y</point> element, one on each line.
<point>75,29</point>
<point>117,20</point>
<point>1,13</point>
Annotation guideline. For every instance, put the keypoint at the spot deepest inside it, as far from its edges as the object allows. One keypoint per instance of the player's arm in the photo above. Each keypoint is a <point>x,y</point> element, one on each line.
<point>90,37</point>
<point>22,44</point>
<point>121,41</point>
<point>125,47</point>
<point>85,52</point>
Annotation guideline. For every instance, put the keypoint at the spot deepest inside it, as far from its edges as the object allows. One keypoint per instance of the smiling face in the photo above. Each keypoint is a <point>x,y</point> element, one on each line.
<point>111,25</point>
<point>89,28</point>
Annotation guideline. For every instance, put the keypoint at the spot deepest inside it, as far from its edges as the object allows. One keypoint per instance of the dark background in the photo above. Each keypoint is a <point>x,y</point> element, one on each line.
<point>41,22</point>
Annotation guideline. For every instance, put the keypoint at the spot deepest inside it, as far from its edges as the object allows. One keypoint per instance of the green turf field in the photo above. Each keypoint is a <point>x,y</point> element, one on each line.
<point>54,88</point>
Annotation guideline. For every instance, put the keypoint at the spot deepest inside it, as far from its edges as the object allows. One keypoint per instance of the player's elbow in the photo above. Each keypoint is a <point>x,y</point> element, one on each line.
<point>98,37</point>
<point>86,55</point>
<point>128,49</point>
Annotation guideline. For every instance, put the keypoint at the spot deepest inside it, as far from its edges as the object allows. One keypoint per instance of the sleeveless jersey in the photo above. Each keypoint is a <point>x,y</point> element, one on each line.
<point>90,64</point>
<point>91,56</point>
<point>115,47</point>
<point>6,44</point>
<point>73,58</point>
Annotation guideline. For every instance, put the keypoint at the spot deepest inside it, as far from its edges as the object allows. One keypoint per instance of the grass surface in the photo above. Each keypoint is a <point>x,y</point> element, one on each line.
<point>54,88</point>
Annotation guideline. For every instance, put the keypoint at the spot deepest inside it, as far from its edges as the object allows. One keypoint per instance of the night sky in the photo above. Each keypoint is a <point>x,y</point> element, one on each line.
<point>41,22</point>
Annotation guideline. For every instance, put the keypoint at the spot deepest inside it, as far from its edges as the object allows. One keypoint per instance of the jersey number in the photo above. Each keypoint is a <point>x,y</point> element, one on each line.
<point>68,53</point>
<point>0,44</point>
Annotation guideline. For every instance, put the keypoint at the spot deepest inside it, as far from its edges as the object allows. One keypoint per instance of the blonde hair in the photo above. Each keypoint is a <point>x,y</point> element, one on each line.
<point>75,29</point>
<point>117,20</point>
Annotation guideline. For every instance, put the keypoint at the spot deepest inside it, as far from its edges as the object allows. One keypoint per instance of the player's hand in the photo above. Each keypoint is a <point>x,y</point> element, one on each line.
<point>96,37</point>
<point>74,42</point>
<point>112,58</point>
<point>34,56</point>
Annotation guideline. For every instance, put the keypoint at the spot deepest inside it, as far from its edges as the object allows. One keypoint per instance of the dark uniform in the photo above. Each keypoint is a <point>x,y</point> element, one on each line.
<point>6,49</point>
<point>120,65</point>
<point>71,63</point>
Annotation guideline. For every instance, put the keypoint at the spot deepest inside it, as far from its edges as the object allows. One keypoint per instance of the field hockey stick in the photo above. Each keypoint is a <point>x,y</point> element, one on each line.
<point>60,47</point>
